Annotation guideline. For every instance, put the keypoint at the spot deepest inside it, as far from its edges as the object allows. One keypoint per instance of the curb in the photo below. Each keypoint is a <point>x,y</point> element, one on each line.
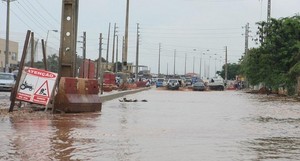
<point>112,96</point>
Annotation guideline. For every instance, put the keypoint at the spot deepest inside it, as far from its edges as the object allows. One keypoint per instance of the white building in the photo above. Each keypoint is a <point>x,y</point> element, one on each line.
<point>12,55</point>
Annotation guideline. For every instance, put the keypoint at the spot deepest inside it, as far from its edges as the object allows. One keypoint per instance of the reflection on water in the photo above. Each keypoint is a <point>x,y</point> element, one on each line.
<point>171,126</point>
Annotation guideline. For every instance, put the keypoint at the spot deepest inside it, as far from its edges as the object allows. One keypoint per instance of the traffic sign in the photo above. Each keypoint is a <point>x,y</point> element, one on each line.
<point>36,85</point>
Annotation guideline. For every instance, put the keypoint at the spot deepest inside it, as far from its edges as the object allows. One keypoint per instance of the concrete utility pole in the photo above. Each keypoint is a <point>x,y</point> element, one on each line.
<point>246,38</point>
<point>269,11</point>
<point>68,39</point>
<point>84,46</point>
<point>209,67</point>
<point>174,62</point>
<point>200,61</point>
<point>7,64</point>
<point>185,64</point>
<point>117,52</point>
<point>83,53</point>
<point>123,48</point>
<point>159,50</point>
<point>99,66</point>
<point>167,68</point>
<point>226,69</point>
<point>32,49</point>
<point>193,64</point>
<point>126,38</point>
<point>137,52</point>
<point>100,57</point>
<point>107,50</point>
<point>113,50</point>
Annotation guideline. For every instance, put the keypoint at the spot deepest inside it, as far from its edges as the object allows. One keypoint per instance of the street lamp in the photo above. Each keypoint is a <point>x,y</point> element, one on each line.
<point>47,37</point>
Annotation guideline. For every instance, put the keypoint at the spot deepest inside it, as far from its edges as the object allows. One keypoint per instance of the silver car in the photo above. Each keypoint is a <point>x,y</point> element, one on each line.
<point>7,81</point>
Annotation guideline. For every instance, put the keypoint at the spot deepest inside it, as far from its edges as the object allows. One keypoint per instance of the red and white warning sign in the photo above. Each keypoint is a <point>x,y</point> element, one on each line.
<point>36,85</point>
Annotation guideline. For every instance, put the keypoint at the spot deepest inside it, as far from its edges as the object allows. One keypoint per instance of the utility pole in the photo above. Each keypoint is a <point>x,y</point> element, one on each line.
<point>100,57</point>
<point>113,50</point>
<point>126,38</point>
<point>83,53</point>
<point>32,49</point>
<point>174,62</point>
<point>159,50</point>
<point>215,67</point>
<point>84,46</point>
<point>209,67</point>
<point>185,64</point>
<point>137,53</point>
<point>246,38</point>
<point>99,66</point>
<point>107,50</point>
<point>269,11</point>
<point>123,48</point>
<point>200,66</point>
<point>167,68</point>
<point>7,64</point>
<point>193,64</point>
<point>117,53</point>
<point>226,68</point>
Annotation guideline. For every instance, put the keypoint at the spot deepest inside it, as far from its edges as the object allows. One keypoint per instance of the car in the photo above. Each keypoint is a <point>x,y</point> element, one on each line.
<point>198,86</point>
<point>216,83</point>
<point>173,84</point>
<point>7,81</point>
<point>188,82</point>
<point>160,82</point>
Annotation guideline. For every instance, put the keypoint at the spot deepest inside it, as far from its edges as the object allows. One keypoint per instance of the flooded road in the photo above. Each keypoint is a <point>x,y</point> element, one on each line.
<point>171,126</point>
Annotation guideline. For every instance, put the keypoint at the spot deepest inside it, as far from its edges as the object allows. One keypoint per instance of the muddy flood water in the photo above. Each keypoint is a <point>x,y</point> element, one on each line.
<point>171,126</point>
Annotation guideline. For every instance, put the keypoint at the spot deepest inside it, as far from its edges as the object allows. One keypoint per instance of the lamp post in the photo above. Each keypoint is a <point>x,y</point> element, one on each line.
<point>209,67</point>
<point>193,64</point>
<point>47,37</point>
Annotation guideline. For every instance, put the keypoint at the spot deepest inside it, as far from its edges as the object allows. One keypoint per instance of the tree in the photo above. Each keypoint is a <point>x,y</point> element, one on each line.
<point>275,62</point>
<point>232,71</point>
<point>52,63</point>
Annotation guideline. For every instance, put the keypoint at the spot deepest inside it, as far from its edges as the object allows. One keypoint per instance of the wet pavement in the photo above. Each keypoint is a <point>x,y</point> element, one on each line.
<point>171,126</point>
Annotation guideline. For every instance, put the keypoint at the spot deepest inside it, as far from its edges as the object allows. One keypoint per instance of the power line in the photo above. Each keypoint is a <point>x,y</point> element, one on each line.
<point>38,14</point>
<point>47,12</point>
<point>31,17</point>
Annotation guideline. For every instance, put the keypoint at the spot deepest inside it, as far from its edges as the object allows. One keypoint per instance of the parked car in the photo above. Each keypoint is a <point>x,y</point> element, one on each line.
<point>198,86</point>
<point>7,81</point>
<point>188,82</point>
<point>160,82</point>
<point>173,84</point>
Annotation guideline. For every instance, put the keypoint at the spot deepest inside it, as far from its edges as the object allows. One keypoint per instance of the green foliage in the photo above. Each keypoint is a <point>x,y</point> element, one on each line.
<point>232,71</point>
<point>52,63</point>
<point>275,62</point>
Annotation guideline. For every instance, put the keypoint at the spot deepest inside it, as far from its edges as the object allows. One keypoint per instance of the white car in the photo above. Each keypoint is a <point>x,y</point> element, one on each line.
<point>7,81</point>
<point>173,84</point>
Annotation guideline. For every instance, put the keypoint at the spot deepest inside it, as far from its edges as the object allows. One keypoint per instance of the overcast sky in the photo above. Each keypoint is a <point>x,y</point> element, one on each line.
<point>191,27</point>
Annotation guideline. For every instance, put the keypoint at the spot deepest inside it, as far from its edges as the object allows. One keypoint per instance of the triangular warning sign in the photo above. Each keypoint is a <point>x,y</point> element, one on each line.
<point>43,90</point>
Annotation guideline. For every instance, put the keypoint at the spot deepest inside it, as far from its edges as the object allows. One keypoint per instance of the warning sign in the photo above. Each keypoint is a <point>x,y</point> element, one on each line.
<point>43,90</point>
<point>36,85</point>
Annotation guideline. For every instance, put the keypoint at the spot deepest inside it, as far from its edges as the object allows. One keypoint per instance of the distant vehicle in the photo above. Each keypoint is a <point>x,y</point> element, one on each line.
<point>173,84</point>
<point>165,83</point>
<point>216,83</point>
<point>7,81</point>
<point>188,82</point>
<point>198,86</point>
<point>160,82</point>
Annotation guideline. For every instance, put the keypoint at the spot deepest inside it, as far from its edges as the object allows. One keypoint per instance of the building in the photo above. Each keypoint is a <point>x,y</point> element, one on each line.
<point>12,56</point>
